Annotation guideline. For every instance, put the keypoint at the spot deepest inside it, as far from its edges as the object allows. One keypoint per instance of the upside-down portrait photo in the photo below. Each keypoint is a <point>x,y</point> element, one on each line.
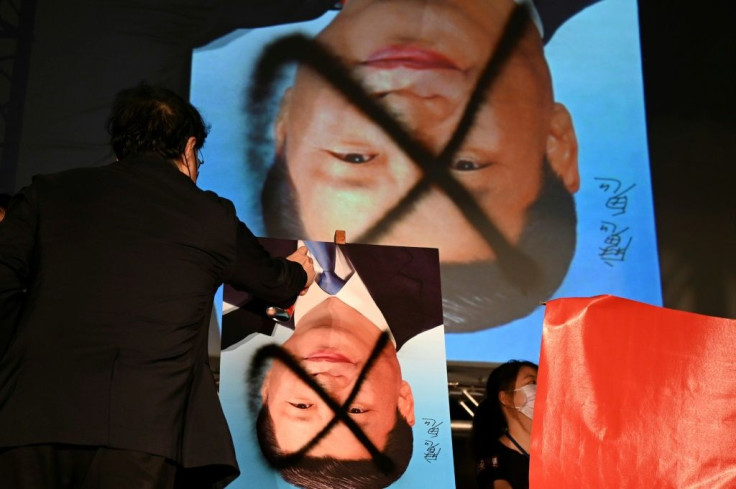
<point>347,388</point>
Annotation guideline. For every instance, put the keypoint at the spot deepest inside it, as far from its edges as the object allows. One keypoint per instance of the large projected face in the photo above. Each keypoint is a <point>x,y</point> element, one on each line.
<point>348,173</point>
<point>509,191</point>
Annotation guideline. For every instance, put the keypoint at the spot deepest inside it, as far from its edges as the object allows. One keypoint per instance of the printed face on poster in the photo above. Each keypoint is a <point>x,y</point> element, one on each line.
<point>516,149</point>
<point>352,388</point>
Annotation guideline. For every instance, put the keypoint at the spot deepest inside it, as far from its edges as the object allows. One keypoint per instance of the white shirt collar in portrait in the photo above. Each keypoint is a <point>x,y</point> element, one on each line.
<point>354,293</point>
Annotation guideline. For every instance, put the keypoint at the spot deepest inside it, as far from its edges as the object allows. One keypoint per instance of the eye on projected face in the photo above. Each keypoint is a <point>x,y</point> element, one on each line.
<point>348,173</point>
<point>332,344</point>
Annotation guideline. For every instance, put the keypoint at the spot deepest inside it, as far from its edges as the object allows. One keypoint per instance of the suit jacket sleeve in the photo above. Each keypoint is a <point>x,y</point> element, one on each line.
<point>17,240</point>
<point>273,279</point>
<point>250,315</point>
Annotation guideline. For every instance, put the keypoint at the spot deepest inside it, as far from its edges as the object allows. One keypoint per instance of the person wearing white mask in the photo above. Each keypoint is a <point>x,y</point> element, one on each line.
<point>502,426</point>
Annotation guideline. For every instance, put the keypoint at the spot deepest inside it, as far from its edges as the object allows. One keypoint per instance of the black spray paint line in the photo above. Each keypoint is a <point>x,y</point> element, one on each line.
<point>278,353</point>
<point>516,266</point>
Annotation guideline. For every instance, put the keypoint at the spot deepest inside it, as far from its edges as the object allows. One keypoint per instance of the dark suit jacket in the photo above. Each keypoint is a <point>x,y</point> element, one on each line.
<point>404,283</point>
<point>121,264</point>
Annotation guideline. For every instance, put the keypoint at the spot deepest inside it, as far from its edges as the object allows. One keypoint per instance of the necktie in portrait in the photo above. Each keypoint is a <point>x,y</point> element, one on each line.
<point>326,255</point>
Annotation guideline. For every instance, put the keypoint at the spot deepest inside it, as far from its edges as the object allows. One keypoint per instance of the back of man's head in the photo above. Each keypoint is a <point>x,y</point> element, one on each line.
<point>151,119</point>
<point>5,200</point>
<point>4,203</point>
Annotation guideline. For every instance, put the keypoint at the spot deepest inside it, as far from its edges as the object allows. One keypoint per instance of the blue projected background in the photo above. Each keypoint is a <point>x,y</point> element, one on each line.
<point>595,64</point>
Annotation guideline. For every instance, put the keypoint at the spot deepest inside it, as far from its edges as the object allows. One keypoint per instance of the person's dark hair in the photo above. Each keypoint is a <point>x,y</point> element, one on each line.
<point>331,473</point>
<point>5,200</point>
<point>475,295</point>
<point>489,422</point>
<point>278,200</point>
<point>152,119</point>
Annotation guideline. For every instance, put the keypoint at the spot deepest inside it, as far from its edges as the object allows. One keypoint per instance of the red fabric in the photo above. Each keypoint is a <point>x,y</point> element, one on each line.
<point>634,396</point>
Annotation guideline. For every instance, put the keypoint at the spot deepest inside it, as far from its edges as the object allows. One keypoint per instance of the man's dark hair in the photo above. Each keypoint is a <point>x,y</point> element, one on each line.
<point>330,473</point>
<point>152,119</point>
<point>5,200</point>
<point>278,199</point>
<point>475,295</point>
<point>489,422</point>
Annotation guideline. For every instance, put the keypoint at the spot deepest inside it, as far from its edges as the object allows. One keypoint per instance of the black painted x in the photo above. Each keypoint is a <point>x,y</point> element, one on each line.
<point>435,172</point>
<point>268,352</point>
<point>516,266</point>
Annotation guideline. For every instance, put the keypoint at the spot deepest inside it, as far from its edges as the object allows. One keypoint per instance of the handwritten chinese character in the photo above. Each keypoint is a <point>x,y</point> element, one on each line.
<point>619,201</point>
<point>614,249</point>
<point>607,185</point>
<point>433,427</point>
<point>614,253</point>
<point>432,451</point>
<point>607,226</point>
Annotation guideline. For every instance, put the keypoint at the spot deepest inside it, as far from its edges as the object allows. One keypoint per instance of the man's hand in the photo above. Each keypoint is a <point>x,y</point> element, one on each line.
<point>300,257</point>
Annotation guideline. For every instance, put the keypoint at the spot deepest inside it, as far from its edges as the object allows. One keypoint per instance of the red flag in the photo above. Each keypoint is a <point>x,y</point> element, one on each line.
<point>634,396</point>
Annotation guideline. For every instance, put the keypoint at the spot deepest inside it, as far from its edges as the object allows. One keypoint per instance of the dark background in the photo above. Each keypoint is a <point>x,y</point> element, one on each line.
<point>689,58</point>
<point>689,65</point>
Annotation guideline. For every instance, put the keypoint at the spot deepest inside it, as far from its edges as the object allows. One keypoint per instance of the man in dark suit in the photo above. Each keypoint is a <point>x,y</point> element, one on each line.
<point>106,383</point>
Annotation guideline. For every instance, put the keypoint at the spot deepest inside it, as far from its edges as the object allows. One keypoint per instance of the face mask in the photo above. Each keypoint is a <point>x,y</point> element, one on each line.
<point>530,393</point>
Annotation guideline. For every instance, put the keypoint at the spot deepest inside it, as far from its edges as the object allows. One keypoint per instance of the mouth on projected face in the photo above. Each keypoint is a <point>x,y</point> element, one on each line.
<point>328,356</point>
<point>411,57</point>
<point>414,71</point>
